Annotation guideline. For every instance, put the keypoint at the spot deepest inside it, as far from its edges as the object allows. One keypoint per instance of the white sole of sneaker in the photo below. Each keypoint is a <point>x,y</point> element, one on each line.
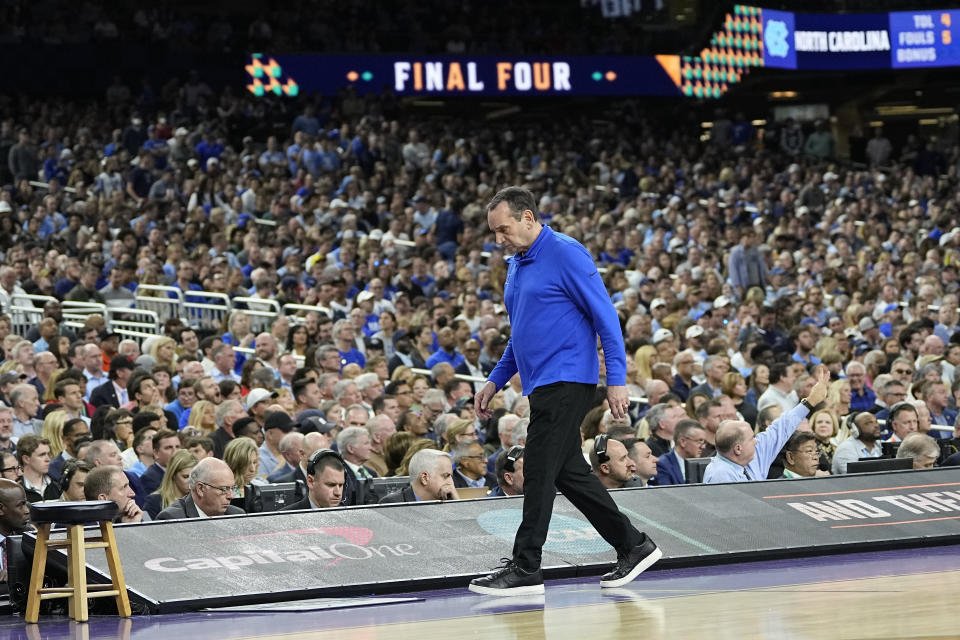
<point>642,566</point>
<point>531,590</point>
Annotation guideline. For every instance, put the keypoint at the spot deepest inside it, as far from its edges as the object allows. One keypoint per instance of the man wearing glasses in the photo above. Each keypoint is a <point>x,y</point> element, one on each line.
<point>471,466</point>
<point>10,468</point>
<point>801,456</point>
<point>211,489</point>
<point>690,439</point>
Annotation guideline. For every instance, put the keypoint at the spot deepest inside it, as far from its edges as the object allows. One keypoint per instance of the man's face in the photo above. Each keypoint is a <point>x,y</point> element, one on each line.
<point>620,467</point>
<point>924,462</point>
<point>210,390</point>
<point>331,362</point>
<point>214,496</point>
<point>75,490</point>
<point>92,359</point>
<point>190,342</point>
<point>644,460</point>
<point>199,452</point>
<point>903,372</point>
<point>404,396</point>
<point>326,489</point>
<point>39,460</point>
<point>416,424</point>
<point>120,491</point>
<point>310,397</point>
<point>110,456</point>
<point>938,397</point>
<point>691,445</point>
<point>266,348</point>
<point>856,377</point>
<point>351,395</point>
<point>671,417</point>
<point>806,340</point>
<point>287,366</point>
<point>80,430</point>
<point>6,425</point>
<point>187,396</point>
<point>511,234</point>
<point>392,409</point>
<point>14,508</point>
<point>360,449</point>
<point>10,468</point>
<point>72,397</point>
<point>905,423</point>
<point>165,450</point>
<point>148,392</point>
<point>474,463</point>
<point>439,484</point>
<point>226,359</point>
<point>805,460</point>
<point>685,366</point>
<point>471,351</point>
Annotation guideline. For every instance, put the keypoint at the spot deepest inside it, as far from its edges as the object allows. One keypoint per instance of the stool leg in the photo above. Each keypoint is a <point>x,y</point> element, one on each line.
<point>78,566</point>
<point>36,574</point>
<point>71,600</point>
<point>116,569</point>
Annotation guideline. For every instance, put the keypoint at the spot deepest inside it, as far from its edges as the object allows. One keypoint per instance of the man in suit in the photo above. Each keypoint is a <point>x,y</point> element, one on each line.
<point>111,483</point>
<point>431,478</point>
<point>690,440</point>
<point>103,453</point>
<point>211,489</point>
<point>509,467</point>
<point>471,466</point>
<point>325,480</point>
<point>471,365</point>
<point>354,445</point>
<point>114,391</point>
<point>165,444</point>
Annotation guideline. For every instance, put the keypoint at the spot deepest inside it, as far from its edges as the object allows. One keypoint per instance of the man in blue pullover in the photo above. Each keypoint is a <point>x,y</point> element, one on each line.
<point>557,305</point>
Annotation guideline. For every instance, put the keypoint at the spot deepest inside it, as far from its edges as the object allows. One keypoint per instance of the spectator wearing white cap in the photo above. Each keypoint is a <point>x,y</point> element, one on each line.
<point>658,311</point>
<point>665,343</point>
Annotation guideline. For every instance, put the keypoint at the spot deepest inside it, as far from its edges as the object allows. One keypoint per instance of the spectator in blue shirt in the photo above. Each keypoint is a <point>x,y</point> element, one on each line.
<point>447,341</point>
<point>344,336</point>
<point>861,397</point>
<point>743,456</point>
<point>805,337</point>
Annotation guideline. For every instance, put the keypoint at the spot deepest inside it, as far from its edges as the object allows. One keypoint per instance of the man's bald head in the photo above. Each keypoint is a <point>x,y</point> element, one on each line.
<point>730,433</point>
<point>14,508</point>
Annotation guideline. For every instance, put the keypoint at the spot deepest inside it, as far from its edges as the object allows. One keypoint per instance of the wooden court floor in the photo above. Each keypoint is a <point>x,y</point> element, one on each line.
<point>904,606</point>
<point>906,593</point>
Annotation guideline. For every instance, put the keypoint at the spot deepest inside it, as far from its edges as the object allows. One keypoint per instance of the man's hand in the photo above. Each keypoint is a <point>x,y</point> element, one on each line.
<point>131,512</point>
<point>449,492</point>
<point>619,401</point>
<point>819,391</point>
<point>481,401</point>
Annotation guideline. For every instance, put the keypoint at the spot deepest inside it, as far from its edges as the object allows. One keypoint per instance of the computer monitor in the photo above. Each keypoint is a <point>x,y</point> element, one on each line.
<point>868,465</point>
<point>695,468</point>
<point>272,497</point>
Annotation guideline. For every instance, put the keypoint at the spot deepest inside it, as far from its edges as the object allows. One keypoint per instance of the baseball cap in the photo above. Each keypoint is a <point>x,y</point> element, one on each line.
<point>720,302</point>
<point>311,424</point>
<point>662,334</point>
<point>374,343</point>
<point>12,377</point>
<point>657,302</point>
<point>693,331</point>
<point>258,395</point>
<point>463,402</point>
<point>278,420</point>
<point>363,296</point>
<point>867,323</point>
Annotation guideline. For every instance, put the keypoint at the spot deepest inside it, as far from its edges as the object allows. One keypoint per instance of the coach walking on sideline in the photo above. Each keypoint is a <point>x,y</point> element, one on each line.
<point>557,305</point>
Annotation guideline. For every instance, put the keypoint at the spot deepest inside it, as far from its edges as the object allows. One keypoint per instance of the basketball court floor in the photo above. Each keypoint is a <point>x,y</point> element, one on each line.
<point>888,594</point>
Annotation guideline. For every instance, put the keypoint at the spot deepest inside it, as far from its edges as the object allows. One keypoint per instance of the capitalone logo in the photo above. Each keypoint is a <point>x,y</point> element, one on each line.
<point>566,535</point>
<point>775,38</point>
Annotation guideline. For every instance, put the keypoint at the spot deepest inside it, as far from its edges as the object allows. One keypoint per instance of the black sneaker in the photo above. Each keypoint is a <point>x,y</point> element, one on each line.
<point>509,580</point>
<point>640,558</point>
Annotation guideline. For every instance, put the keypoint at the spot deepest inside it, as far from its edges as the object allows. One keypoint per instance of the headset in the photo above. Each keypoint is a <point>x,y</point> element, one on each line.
<point>514,453</point>
<point>319,455</point>
<point>600,448</point>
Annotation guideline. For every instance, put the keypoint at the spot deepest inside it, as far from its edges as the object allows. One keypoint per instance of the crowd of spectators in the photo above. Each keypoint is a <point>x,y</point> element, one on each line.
<point>738,264</point>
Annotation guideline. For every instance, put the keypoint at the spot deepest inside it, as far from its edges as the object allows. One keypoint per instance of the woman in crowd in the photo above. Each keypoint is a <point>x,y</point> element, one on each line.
<point>766,416</point>
<point>419,445</point>
<point>174,484</point>
<point>297,339</point>
<point>203,416</point>
<point>591,427</point>
<point>694,402</point>
<point>164,374</point>
<point>734,386</point>
<point>164,352</point>
<point>118,425</point>
<point>395,449</point>
<point>645,357</point>
<point>825,427</point>
<point>244,461</point>
<point>757,383</point>
<point>838,398</point>
<point>52,430</point>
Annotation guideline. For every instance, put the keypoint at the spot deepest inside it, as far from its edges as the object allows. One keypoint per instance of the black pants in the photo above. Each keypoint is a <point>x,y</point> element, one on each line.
<point>553,458</point>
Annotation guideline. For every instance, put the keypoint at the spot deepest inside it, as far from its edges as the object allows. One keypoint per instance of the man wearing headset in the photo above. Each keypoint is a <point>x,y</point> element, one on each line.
<point>325,477</point>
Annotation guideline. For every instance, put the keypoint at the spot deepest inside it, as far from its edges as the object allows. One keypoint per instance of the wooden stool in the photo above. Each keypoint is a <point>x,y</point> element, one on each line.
<point>73,515</point>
